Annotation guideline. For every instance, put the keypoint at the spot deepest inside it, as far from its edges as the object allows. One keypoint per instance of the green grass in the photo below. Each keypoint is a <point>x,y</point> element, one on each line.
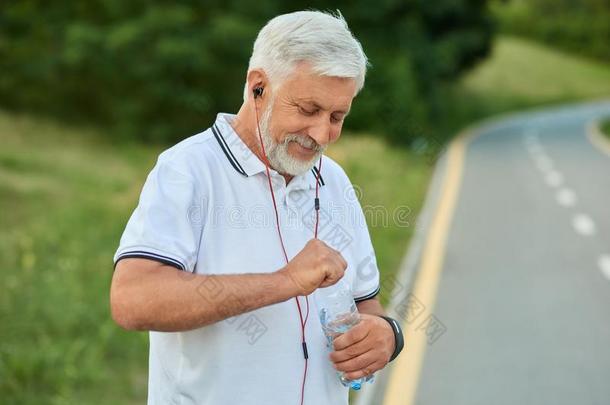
<point>521,74</point>
<point>534,73</point>
<point>65,196</point>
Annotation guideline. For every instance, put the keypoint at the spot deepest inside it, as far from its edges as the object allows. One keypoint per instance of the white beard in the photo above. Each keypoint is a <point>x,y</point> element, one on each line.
<point>277,153</point>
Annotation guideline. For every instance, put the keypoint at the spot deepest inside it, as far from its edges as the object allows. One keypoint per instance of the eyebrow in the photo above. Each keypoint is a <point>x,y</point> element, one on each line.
<point>318,106</point>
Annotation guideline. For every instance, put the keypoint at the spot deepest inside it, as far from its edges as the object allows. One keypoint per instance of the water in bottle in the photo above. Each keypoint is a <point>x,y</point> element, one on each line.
<point>338,313</point>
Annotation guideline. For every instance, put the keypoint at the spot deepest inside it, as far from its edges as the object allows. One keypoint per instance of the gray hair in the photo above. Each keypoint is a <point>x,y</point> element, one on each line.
<point>321,39</point>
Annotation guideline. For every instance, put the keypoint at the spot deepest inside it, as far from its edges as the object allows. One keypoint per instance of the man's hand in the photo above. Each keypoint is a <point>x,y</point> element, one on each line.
<point>365,348</point>
<point>317,265</point>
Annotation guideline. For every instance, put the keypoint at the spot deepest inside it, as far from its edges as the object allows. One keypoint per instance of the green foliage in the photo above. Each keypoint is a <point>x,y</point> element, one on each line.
<point>64,199</point>
<point>577,26</point>
<point>605,127</point>
<point>161,71</point>
<point>522,74</point>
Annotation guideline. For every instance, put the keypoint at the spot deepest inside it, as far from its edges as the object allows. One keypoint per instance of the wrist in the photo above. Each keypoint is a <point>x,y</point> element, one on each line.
<point>398,336</point>
<point>286,284</point>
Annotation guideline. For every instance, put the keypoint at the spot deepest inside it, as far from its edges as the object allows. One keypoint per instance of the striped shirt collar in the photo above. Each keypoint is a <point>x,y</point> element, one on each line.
<point>244,161</point>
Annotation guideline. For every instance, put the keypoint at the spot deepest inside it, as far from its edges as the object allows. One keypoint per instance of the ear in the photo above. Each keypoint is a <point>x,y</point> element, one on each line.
<point>257,78</point>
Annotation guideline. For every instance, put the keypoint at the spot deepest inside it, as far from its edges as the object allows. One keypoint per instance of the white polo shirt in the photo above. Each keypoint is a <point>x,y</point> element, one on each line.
<point>206,208</point>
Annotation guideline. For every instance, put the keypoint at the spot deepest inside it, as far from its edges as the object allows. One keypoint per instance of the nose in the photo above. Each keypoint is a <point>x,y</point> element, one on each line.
<point>321,133</point>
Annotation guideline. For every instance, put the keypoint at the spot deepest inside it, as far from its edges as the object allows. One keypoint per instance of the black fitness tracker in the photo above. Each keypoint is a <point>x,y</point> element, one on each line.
<point>399,341</point>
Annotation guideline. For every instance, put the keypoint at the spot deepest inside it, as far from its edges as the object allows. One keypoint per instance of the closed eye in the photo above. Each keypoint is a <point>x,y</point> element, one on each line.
<point>307,112</point>
<point>311,113</point>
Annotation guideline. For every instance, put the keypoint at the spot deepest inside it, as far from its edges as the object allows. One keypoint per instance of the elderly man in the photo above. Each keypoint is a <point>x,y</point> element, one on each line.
<point>237,227</point>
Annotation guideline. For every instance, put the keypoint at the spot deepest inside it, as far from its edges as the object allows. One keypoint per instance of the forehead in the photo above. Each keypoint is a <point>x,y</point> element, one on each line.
<point>327,92</point>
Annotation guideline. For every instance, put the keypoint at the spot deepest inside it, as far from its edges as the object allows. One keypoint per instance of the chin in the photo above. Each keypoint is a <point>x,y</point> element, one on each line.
<point>296,167</point>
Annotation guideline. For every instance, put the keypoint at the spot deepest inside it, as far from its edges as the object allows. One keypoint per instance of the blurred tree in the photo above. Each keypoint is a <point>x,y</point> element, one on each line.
<point>161,70</point>
<point>577,26</point>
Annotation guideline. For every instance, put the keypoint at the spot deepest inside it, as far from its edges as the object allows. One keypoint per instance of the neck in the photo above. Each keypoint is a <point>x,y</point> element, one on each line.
<point>244,126</point>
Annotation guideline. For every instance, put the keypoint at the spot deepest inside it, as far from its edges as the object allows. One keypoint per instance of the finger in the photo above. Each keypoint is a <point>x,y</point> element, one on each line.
<point>338,258</point>
<point>333,274</point>
<point>331,277</point>
<point>357,333</point>
<point>367,370</point>
<point>357,363</point>
<point>342,261</point>
<point>350,352</point>
<point>326,283</point>
<point>321,243</point>
<point>336,273</point>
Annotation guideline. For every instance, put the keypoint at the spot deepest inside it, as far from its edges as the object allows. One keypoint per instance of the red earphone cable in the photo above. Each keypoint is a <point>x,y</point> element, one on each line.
<point>315,232</point>
<point>277,222</point>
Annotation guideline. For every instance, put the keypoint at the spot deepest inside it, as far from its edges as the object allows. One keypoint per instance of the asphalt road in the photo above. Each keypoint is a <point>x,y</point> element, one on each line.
<point>524,288</point>
<point>523,295</point>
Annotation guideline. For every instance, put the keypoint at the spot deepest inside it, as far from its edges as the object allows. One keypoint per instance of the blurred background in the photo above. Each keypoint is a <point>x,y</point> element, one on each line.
<point>91,92</point>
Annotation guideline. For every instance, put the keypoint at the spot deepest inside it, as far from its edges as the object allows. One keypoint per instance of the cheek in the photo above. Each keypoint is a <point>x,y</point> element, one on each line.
<point>286,124</point>
<point>295,126</point>
<point>276,129</point>
<point>335,133</point>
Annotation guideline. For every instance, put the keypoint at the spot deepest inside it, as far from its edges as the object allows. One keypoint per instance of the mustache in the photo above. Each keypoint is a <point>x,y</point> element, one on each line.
<point>305,141</point>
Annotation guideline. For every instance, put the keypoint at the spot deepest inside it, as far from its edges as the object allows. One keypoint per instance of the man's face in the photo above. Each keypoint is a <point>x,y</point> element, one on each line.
<point>305,115</point>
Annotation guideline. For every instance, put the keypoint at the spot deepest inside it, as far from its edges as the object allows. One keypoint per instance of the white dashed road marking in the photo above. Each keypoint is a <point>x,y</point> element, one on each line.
<point>583,224</point>
<point>554,178</point>
<point>536,151</point>
<point>566,197</point>
<point>544,163</point>
<point>532,143</point>
<point>604,265</point>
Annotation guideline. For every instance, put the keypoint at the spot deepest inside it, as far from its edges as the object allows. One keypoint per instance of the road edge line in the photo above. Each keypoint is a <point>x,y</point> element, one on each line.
<point>407,272</point>
<point>404,376</point>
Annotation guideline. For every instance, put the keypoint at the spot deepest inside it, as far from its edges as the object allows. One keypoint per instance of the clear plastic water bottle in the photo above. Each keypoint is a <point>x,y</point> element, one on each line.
<point>338,313</point>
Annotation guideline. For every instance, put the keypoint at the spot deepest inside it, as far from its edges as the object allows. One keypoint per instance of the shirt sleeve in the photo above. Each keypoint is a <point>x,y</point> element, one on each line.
<point>166,225</point>
<point>365,283</point>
